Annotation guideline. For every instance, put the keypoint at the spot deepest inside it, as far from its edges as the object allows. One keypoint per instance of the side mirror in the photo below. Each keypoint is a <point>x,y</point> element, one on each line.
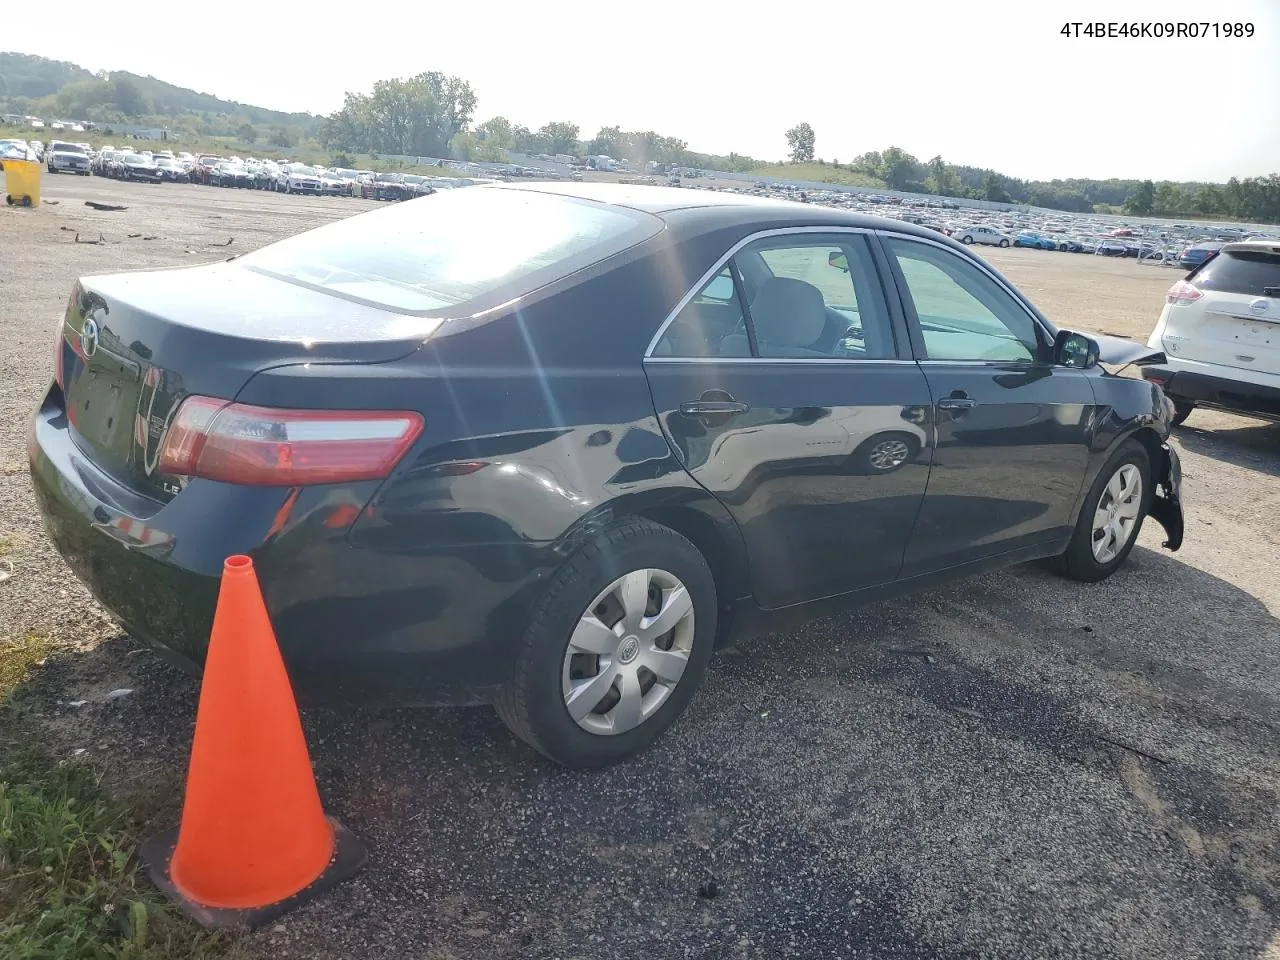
<point>838,260</point>
<point>1075,350</point>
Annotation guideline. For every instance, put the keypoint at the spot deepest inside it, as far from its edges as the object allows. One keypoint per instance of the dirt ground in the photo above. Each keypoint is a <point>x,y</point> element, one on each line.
<point>1014,766</point>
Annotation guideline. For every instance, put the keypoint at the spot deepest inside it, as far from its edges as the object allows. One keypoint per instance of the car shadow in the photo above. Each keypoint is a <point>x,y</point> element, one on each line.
<point>1016,743</point>
<point>1253,444</point>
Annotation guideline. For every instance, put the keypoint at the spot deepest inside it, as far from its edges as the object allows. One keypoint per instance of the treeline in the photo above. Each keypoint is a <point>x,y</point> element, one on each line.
<point>431,115</point>
<point>56,89</point>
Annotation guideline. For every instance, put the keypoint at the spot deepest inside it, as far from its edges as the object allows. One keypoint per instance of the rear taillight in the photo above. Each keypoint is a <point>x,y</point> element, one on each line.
<point>261,446</point>
<point>1183,293</point>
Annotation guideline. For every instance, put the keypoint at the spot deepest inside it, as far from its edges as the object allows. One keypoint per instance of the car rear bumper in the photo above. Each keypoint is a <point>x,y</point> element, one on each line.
<point>1223,393</point>
<point>428,625</point>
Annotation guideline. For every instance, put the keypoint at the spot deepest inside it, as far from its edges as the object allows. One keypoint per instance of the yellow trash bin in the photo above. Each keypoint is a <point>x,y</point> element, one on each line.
<point>22,183</point>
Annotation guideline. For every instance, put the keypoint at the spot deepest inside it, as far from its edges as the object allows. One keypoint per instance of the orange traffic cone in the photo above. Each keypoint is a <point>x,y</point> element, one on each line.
<point>253,841</point>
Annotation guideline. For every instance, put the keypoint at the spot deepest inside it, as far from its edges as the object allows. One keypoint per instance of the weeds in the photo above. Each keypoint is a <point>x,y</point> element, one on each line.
<point>70,886</point>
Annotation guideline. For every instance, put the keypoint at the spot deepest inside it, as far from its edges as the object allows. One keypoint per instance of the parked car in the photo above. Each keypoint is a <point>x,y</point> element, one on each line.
<point>981,234</point>
<point>1220,332</point>
<point>1028,238</point>
<point>1193,256</point>
<point>386,186</point>
<point>171,170</point>
<point>202,171</point>
<point>1111,248</point>
<point>457,480</point>
<point>228,174</point>
<point>298,178</point>
<point>63,157</point>
<point>134,166</point>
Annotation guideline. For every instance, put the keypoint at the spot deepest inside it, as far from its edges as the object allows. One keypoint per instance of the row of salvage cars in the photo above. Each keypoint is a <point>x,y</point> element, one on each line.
<point>163,166</point>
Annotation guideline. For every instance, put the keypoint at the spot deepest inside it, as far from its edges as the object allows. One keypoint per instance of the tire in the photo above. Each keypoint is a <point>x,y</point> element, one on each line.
<point>1004,243</point>
<point>533,699</point>
<point>966,239</point>
<point>1181,410</point>
<point>1079,561</point>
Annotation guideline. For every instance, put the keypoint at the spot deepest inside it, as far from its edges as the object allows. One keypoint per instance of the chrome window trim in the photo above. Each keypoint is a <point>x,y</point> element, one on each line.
<point>720,265</point>
<point>974,261</point>
<point>762,360</point>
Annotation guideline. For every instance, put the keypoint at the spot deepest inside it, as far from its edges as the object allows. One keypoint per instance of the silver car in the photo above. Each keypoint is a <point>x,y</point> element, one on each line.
<point>981,235</point>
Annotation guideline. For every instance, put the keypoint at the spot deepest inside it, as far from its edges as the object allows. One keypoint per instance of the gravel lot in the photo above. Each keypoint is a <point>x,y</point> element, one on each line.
<point>1016,766</point>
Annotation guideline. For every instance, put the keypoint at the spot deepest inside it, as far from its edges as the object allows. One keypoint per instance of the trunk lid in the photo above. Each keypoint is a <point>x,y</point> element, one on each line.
<point>1236,321</point>
<point>133,346</point>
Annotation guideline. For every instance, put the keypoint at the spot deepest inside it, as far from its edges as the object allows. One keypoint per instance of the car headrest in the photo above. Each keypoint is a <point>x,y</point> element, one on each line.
<point>788,312</point>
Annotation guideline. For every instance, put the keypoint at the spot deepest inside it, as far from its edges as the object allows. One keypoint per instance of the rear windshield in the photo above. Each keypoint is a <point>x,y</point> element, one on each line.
<point>68,148</point>
<point>452,248</point>
<point>1247,272</point>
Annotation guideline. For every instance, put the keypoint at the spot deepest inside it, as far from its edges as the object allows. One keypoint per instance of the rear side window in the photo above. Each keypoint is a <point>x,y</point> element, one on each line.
<point>1249,272</point>
<point>453,248</point>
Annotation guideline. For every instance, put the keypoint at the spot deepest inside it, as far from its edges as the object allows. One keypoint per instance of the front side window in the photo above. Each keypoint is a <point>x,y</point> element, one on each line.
<point>815,296</point>
<point>963,313</point>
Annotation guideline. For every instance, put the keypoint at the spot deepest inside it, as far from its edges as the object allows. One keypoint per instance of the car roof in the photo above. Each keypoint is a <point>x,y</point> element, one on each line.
<point>1266,246</point>
<point>710,208</point>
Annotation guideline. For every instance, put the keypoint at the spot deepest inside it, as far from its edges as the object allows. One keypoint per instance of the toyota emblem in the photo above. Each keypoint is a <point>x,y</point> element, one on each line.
<point>1260,305</point>
<point>89,338</point>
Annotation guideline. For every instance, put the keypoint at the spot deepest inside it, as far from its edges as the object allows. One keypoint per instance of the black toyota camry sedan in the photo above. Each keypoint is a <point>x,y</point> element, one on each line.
<point>548,445</point>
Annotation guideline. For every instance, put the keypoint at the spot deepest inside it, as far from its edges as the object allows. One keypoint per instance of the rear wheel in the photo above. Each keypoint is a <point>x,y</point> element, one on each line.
<point>615,649</point>
<point>1004,243</point>
<point>1181,410</point>
<point>966,239</point>
<point>1111,516</point>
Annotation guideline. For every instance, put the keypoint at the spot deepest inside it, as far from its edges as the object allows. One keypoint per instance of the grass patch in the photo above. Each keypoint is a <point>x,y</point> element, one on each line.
<point>70,887</point>
<point>6,546</point>
<point>818,173</point>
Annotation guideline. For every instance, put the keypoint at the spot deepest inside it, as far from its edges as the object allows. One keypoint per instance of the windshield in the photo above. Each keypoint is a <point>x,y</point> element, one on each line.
<point>448,249</point>
<point>69,148</point>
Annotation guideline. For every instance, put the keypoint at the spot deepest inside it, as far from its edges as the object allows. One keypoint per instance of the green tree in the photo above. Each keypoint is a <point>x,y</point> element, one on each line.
<point>246,133</point>
<point>495,132</point>
<point>898,169</point>
<point>1143,200</point>
<point>800,142</point>
<point>1208,200</point>
<point>1169,199</point>
<point>993,189</point>
<point>609,142</point>
<point>560,137</point>
<point>280,136</point>
<point>941,181</point>
<point>127,96</point>
<point>419,116</point>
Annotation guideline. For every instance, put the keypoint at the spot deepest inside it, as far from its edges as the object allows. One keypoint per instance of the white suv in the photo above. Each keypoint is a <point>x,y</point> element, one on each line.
<point>1220,334</point>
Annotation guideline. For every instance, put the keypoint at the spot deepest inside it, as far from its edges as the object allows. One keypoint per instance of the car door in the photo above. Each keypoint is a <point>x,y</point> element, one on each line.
<point>1013,429</point>
<point>785,385</point>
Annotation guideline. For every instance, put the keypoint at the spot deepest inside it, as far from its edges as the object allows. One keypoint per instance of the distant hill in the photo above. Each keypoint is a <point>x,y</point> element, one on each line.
<point>39,86</point>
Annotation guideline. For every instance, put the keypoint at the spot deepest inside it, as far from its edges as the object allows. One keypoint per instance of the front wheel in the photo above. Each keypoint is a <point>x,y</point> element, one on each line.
<point>1181,410</point>
<point>1004,243</point>
<point>615,649</point>
<point>966,239</point>
<point>1111,516</point>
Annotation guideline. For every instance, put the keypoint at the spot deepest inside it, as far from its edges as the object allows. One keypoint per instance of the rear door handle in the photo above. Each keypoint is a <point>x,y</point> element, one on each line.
<point>957,403</point>
<point>711,408</point>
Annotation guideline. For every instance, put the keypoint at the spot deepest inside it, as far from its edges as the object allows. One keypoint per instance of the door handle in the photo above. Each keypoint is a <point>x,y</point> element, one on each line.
<point>712,408</point>
<point>957,403</point>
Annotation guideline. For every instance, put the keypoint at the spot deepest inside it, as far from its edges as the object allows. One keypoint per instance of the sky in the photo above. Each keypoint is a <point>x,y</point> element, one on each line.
<point>990,83</point>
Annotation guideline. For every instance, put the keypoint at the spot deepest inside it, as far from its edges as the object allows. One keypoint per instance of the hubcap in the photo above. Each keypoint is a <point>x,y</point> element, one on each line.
<point>889,454</point>
<point>628,651</point>
<point>1116,517</point>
